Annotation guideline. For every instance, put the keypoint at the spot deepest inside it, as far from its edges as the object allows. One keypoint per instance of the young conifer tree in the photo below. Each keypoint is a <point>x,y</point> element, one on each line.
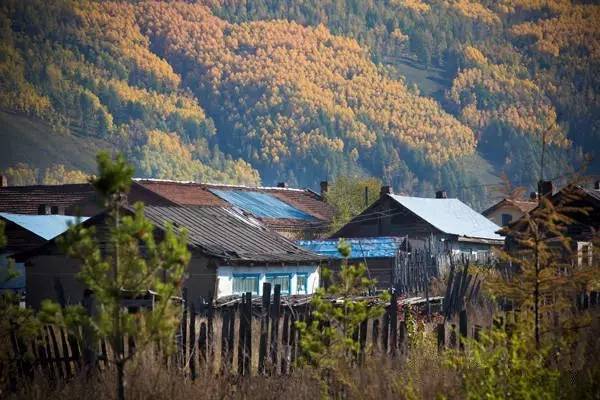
<point>126,261</point>
<point>329,341</point>
<point>543,276</point>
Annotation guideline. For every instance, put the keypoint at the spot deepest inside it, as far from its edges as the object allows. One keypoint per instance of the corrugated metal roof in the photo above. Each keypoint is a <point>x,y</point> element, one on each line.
<point>226,233</point>
<point>45,226</point>
<point>262,205</point>
<point>451,216</point>
<point>371,247</point>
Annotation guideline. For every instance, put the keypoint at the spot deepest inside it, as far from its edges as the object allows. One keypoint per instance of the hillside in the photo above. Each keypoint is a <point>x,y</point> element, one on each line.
<point>424,94</point>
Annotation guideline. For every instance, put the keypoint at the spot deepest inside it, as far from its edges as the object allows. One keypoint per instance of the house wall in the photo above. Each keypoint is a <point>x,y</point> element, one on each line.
<point>380,269</point>
<point>225,274</point>
<point>41,273</point>
<point>201,278</point>
<point>496,215</point>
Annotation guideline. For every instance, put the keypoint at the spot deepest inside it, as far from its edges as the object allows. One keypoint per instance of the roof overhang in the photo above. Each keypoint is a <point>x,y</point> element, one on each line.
<point>492,242</point>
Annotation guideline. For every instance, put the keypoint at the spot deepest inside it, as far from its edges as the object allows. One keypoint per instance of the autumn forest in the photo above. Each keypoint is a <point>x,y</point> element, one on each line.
<point>422,94</point>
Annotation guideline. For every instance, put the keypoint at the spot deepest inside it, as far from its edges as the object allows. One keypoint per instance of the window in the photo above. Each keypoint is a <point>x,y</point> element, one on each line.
<point>279,279</point>
<point>506,218</point>
<point>301,283</point>
<point>243,283</point>
<point>585,254</point>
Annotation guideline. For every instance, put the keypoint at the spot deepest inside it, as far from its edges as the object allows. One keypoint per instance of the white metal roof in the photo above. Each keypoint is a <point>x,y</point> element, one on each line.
<point>45,226</point>
<point>451,216</point>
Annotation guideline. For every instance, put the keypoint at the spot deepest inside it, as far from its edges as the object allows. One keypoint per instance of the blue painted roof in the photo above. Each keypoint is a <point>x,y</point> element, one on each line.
<point>371,247</point>
<point>45,226</point>
<point>261,204</point>
<point>451,216</point>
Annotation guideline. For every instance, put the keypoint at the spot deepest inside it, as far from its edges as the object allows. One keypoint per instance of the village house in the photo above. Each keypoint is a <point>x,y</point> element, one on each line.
<point>507,210</point>
<point>445,223</point>
<point>24,232</point>
<point>293,213</point>
<point>582,207</point>
<point>232,253</point>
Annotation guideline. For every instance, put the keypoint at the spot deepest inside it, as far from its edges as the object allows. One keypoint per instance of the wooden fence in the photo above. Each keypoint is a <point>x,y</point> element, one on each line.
<point>245,337</point>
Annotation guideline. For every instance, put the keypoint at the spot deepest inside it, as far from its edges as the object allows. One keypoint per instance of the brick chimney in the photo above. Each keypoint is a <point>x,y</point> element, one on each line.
<point>441,194</point>
<point>3,181</point>
<point>324,187</point>
<point>545,188</point>
<point>44,209</point>
<point>282,184</point>
<point>385,190</point>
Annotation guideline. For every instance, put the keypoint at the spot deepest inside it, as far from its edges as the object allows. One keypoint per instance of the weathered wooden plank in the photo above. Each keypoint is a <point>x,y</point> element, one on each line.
<point>275,310</point>
<point>285,343</point>
<point>264,327</point>
<point>192,345</point>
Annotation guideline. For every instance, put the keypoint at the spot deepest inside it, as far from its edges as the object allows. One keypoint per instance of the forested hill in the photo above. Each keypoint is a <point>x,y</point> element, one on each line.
<point>424,94</point>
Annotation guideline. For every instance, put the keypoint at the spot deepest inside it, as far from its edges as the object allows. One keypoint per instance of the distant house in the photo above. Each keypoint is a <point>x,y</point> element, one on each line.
<point>453,224</point>
<point>583,208</point>
<point>293,213</point>
<point>507,210</point>
<point>25,232</point>
<point>378,254</point>
<point>231,254</point>
<point>66,199</point>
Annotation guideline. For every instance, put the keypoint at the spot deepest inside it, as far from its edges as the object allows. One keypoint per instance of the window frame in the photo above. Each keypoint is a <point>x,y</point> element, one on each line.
<point>245,275</point>
<point>280,274</point>
<point>305,275</point>
<point>508,219</point>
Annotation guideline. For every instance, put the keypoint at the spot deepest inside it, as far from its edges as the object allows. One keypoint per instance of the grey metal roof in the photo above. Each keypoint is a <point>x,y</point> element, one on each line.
<point>451,216</point>
<point>227,233</point>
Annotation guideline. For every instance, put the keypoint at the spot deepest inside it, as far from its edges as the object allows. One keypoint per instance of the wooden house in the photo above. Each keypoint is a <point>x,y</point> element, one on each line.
<point>25,232</point>
<point>450,223</point>
<point>291,212</point>
<point>232,253</point>
<point>507,210</point>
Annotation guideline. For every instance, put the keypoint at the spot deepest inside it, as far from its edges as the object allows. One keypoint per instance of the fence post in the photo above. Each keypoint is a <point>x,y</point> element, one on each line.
<point>363,340</point>
<point>385,330</point>
<point>264,327</point>
<point>285,338</point>
<point>248,334</point>
<point>241,335</point>
<point>463,328</point>
<point>394,322</point>
<point>202,346</point>
<point>275,326</point>
<point>441,335</point>
<point>225,348</point>
<point>375,334</point>
<point>193,341</point>
<point>184,326</point>
<point>89,345</point>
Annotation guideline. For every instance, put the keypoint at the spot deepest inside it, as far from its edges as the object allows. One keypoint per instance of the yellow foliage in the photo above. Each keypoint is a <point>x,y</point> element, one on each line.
<point>301,90</point>
<point>575,26</point>
<point>58,174</point>
<point>415,5</point>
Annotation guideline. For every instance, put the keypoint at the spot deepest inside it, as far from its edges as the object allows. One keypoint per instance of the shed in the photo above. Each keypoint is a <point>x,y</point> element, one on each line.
<point>378,254</point>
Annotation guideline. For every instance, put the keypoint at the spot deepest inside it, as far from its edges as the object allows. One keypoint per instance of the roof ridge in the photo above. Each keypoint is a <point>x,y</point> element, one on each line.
<point>214,184</point>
